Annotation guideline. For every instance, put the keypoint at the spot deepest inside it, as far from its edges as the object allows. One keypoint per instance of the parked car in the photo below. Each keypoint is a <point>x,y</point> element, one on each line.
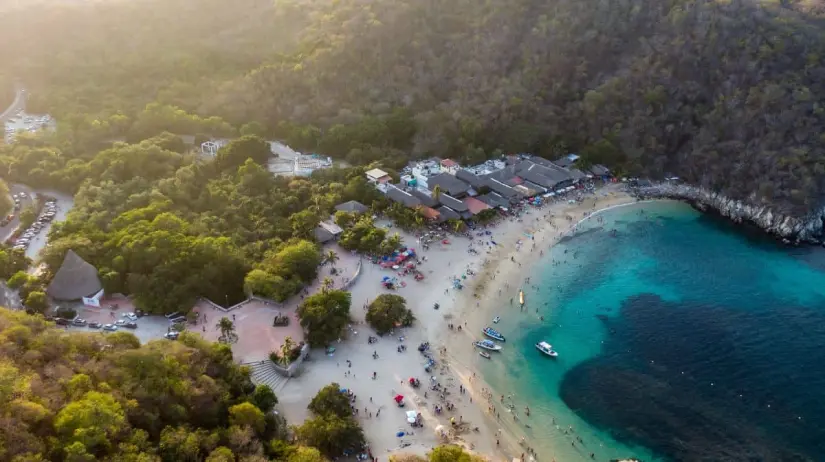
<point>79,322</point>
<point>95,325</point>
<point>130,325</point>
<point>130,316</point>
<point>171,335</point>
<point>110,327</point>
<point>172,315</point>
<point>62,322</point>
<point>120,322</point>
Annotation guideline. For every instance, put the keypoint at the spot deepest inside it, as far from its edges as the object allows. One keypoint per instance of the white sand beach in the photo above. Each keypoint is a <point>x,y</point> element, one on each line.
<point>499,271</point>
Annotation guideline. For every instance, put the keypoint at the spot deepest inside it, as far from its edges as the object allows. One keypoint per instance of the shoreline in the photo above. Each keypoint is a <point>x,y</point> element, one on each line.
<point>461,386</point>
<point>494,292</point>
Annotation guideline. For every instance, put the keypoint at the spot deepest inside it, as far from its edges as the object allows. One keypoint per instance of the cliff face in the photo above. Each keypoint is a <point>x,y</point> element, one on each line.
<point>809,229</point>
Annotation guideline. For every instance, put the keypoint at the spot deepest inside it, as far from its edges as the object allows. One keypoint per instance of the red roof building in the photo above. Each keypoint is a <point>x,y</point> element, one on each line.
<point>474,205</point>
<point>429,213</point>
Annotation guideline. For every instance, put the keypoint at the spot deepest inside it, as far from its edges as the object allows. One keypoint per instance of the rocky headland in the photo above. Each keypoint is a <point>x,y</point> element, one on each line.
<point>789,228</point>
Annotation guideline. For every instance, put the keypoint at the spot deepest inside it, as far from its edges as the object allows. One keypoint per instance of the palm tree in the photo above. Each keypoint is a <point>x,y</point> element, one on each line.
<point>331,257</point>
<point>327,284</point>
<point>436,191</point>
<point>286,350</point>
<point>395,241</point>
<point>227,328</point>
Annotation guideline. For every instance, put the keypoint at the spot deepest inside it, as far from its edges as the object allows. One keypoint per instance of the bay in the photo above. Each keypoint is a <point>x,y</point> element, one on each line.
<point>680,337</point>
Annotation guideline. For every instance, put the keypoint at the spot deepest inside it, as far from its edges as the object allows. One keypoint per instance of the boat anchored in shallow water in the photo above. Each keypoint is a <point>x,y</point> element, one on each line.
<point>547,349</point>
<point>493,334</point>
<point>496,319</point>
<point>484,354</point>
<point>488,345</point>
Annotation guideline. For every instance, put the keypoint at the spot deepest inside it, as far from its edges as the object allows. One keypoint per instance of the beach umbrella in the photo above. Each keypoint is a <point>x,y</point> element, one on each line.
<point>398,398</point>
<point>411,415</point>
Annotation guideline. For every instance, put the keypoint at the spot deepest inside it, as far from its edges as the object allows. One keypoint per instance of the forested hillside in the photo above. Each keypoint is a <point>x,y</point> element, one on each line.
<point>82,397</point>
<point>725,94</point>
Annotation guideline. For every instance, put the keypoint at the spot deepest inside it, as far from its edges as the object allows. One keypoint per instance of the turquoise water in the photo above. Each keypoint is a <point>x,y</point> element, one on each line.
<point>680,338</point>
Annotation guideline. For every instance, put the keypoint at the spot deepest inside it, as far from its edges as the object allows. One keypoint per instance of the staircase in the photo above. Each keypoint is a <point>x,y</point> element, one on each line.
<point>265,374</point>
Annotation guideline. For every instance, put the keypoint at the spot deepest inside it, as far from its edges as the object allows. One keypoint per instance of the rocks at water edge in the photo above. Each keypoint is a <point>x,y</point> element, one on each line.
<point>810,228</point>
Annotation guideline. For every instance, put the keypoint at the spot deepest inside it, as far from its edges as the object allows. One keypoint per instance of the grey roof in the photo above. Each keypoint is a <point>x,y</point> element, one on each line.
<point>425,198</point>
<point>502,189</point>
<point>600,170</point>
<point>452,202</point>
<point>352,206</point>
<point>322,235</point>
<point>398,195</point>
<point>470,178</point>
<point>448,213</point>
<point>542,161</point>
<point>538,188</point>
<point>577,174</point>
<point>540,175</point>
<point>494,200</point>
<point>564,162</point>
<point>448,183</point>
<point>75,279</point>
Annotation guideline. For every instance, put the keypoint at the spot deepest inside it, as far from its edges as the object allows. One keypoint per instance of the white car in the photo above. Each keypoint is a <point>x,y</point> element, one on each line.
<point>130,316</point>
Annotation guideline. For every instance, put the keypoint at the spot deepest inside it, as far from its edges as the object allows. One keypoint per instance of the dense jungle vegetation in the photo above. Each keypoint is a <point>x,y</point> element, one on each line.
<point>81,397</point>
<point>84,397</point>
<point>725,94</point>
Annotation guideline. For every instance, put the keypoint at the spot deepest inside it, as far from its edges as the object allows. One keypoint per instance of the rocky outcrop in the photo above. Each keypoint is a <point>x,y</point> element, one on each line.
<point>810,228</point>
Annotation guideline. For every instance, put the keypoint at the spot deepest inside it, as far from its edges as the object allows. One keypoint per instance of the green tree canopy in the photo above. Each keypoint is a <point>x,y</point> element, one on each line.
<point>237,151</point>
<point>264,398</point>
<point>247,414</point>
<point>324,315</point>
<point>95,421</point>
<point>330,400</point>
<point>388,311</point>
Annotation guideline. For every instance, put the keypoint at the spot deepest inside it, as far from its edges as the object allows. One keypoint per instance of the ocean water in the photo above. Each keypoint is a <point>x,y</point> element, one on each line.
<point>681,338</point>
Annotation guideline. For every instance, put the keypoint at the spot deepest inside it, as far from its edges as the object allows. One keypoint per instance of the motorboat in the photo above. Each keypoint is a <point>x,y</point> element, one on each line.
<point>493,334</point>
<point>488,345</point>
<point>547,349</point>
<point>496,319</point>
<point>484,354</point>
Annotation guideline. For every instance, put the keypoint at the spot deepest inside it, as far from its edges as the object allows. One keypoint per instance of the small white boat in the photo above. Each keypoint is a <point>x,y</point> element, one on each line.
<point>492,333</point>
<point>487,345</point>
<point>484,354</point>
<point>547,349</point>
<point>496,319</point>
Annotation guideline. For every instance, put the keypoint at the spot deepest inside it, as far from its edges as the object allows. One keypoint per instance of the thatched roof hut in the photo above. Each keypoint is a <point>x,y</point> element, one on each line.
<point>75,279</point>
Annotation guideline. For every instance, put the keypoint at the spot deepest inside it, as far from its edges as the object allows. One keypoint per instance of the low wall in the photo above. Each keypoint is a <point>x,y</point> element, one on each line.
<point>293,369</point>
<point>354,276</point>
<point>224,309</point>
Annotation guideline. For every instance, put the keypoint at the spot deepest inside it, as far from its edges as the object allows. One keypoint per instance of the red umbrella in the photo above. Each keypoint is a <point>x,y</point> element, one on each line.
<point>399,398</point>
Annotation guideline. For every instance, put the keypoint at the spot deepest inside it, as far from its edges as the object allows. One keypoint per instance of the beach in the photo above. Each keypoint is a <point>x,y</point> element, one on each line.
<point>491,277</point>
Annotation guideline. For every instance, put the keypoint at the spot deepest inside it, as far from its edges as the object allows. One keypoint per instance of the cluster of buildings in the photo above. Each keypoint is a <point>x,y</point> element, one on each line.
<point>441,189</point>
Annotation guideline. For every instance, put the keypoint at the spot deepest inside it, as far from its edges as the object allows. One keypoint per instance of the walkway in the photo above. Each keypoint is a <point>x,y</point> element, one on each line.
<point>18,103</point>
